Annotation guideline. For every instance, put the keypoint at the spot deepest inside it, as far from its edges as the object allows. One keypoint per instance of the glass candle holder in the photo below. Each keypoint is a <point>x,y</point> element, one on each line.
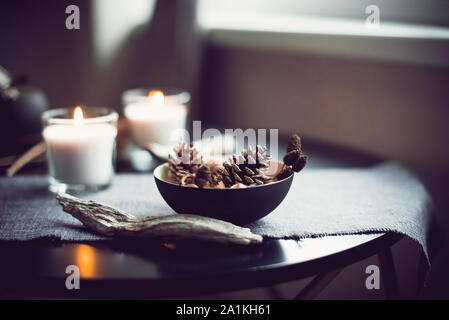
<point>154,114</point>
<point>80,148</point>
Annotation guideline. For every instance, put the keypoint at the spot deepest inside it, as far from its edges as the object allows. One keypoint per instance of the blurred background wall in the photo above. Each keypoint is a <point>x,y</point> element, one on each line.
<point>382,94</point>
<point>311,67</point>
<point>35,42</point>
<point>120,45</point>
<point>398,110</point>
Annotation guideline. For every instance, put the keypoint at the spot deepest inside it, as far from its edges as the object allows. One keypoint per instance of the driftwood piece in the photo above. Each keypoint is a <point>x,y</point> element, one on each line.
<point>108,221</point>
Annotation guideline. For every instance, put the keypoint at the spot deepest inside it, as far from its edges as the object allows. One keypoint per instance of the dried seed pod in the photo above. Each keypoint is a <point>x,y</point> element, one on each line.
<point>294,160</point>
<point>285,173</point>
<point>300,163</point>
<point>291,157</point>
<point>294,143</point>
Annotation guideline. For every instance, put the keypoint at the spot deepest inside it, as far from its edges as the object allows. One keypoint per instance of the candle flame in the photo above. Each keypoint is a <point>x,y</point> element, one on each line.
<point>78,116</point>
<point>156,98</point>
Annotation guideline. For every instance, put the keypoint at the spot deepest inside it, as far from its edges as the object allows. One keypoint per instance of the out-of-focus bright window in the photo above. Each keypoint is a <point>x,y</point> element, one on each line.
<point>427,12</point>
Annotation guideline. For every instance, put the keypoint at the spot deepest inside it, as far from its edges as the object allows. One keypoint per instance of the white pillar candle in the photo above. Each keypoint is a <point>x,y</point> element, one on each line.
<point>81,152</point>
<point>154,119</point>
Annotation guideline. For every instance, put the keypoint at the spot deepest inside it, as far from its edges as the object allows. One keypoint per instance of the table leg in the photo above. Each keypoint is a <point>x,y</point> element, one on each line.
<point>390,281</point>
<point>274,293</point>
<point>422,273</point>
<point>318,284</point>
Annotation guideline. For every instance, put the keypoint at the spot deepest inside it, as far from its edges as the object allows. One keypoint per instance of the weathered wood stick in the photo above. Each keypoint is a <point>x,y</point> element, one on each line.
<point>9,160</point>
<point>28,156</point>
<point>108,221</point>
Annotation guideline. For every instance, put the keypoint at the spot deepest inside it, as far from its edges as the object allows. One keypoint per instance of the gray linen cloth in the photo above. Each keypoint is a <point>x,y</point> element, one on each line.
<point>321,202</point>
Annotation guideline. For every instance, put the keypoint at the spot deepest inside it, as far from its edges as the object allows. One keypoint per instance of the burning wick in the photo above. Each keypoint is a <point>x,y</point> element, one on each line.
<point>78,116</point>
<point>156,98</point>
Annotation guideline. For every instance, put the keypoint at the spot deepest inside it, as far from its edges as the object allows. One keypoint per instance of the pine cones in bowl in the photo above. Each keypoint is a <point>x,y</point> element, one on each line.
<point>252,167</point>
<point>242,189</point>
<point>187,168</point>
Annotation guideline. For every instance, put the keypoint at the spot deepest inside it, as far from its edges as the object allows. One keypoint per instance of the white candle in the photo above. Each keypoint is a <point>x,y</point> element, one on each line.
<point>154,119</point>
<point>81,152</point>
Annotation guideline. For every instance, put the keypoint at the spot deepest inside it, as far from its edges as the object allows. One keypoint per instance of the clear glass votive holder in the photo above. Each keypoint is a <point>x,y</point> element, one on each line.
<point>81,148</point>
<point>154,114</point>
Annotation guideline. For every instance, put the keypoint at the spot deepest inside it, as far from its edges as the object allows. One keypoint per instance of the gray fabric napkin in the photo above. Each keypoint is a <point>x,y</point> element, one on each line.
<point>321,202</point>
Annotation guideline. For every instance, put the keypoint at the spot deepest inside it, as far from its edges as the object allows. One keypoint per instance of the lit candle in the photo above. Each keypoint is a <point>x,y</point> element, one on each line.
<point>80,151</point>
<point>155,118</point>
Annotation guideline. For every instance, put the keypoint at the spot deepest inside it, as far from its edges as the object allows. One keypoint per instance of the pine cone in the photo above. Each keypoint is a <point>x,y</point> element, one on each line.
<point>184,162</point>
<point>246,168</point>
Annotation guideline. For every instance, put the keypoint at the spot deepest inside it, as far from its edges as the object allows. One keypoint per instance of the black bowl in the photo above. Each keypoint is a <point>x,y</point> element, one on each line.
<point>239,206</point>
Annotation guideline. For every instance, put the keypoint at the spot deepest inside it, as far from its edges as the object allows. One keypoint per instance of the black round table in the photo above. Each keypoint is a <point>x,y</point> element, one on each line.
<point>137,269</point>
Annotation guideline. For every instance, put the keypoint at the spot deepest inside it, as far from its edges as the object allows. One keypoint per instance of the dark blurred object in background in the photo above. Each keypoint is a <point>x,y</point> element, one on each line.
<point>21,108</point>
